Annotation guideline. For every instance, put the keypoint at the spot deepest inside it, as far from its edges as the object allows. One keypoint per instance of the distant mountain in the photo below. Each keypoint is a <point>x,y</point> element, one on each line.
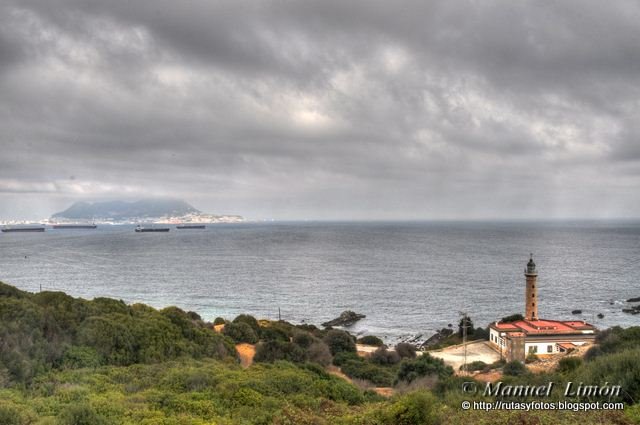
<point>123,211</point>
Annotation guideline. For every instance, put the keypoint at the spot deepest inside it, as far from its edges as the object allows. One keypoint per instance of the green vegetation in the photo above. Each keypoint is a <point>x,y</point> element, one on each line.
<point>422,366</point>
<point>512,318</point>
<point>371,340</point>
<point>514,368</point>
<point>71,361</point>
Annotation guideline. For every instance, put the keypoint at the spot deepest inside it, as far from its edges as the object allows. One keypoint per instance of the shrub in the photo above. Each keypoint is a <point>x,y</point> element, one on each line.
<point>219,321</point>
<point>249,320</point>
<point>514,368</point>
<point>272,333</point>
<point>569,364</point>
<point>80,414</point>
<point>271,351</point>
<point>361,369</point>
<point>343,357</point>
<point>319,352</point>
<point>419,407</point>
<point>512,318</point>
<point>384,357</point>
<point>80,357</point>
<point>617,369</point>
<point>370,340</point>
<point>406,350</point>
<point>9,415</point>
<point>423,366</point>
<point>531,357</point>
<point>592,353</point>
<point>339,341</point>
<point>240,332</point>
<point>303,339</point>
<point>473,366</point>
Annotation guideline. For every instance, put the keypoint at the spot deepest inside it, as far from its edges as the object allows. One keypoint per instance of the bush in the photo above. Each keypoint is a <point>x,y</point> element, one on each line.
<point>219,321</point>
<point>419,407</point>
<point>249,320</point>
<point>80,414</point>
<point>512,318</point>
<point>79,357</point>
<point>592,353</point>
<point>514,368</point>
<point>371,340</point>
<point>9,415</point>
<point>343,357</point>
<point>620,368</point>
<point>424,365</point>
<point>473,366</point>
<point>361,369</point>
<point>531,357</point>
<point>406,350</point>
<point>384,357</point>
<point>240,332</point>
<point>272,333</point>
<point>270,351</point>
<point>569,364</point>
<point>319,352</point>
<point>339,341</point>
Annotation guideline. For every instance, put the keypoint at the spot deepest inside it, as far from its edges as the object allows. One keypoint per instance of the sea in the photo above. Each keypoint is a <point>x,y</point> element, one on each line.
<point>409,278</point>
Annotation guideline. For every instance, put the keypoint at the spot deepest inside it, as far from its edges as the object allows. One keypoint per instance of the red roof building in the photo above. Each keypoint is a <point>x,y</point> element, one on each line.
<point>514,340</point>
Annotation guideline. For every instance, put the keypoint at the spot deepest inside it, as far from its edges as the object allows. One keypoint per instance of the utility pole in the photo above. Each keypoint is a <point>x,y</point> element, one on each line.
<point>279,316</point>
<point>465,324</point>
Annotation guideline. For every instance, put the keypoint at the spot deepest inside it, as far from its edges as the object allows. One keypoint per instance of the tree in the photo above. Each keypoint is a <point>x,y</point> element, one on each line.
<point>465,321</point>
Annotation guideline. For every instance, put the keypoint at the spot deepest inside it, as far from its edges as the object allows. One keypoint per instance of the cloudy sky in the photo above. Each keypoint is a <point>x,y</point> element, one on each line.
<point>330,109</point>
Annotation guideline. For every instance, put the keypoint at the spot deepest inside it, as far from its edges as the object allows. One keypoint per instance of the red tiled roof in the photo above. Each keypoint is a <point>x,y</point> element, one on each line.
<point>543,326</point>
<point>566,345</point>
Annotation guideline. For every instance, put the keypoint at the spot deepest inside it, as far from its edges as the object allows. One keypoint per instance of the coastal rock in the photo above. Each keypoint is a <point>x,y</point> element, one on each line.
<point>576,311</point>
<point>600,316</point>
<point>633,310</point>
<point>438,337</point>
<point>634,300</point>
<point>347,318</point>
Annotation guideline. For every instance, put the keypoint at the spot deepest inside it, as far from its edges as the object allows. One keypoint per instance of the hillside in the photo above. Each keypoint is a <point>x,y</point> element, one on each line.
<point>70,361</point>
<point>123,211</point>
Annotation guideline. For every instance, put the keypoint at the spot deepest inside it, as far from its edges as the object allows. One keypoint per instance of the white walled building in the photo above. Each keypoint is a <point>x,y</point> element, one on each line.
<point>514,340</point>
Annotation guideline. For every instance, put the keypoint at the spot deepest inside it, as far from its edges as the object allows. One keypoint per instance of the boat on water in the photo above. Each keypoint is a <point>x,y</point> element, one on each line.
<point>75,226</point>
<point>142,229</point>
<point>191,226</point>
<point>23,229</point>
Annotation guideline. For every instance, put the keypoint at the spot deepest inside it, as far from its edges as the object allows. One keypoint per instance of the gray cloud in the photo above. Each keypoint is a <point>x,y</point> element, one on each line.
<point>326,109</point>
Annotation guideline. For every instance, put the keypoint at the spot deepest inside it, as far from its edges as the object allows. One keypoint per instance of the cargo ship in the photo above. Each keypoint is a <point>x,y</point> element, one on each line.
<point>141,229</point>
<point>75,226</point>
<point>191,226</point>
<point>23,229</point>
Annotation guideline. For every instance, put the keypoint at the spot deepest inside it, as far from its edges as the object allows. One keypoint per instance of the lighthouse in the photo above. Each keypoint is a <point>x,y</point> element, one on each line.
<point>531,299</point>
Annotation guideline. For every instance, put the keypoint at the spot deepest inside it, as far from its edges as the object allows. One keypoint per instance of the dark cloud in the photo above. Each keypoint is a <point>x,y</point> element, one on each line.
<point>329,109</point>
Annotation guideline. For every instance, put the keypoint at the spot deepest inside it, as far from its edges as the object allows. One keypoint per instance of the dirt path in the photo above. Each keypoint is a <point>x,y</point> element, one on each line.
<point>246,353</point>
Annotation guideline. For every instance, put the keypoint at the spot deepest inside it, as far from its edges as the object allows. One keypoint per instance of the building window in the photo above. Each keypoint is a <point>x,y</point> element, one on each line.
<point>533,304</point>
<point>533,349</point>
<point>549,348</point>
